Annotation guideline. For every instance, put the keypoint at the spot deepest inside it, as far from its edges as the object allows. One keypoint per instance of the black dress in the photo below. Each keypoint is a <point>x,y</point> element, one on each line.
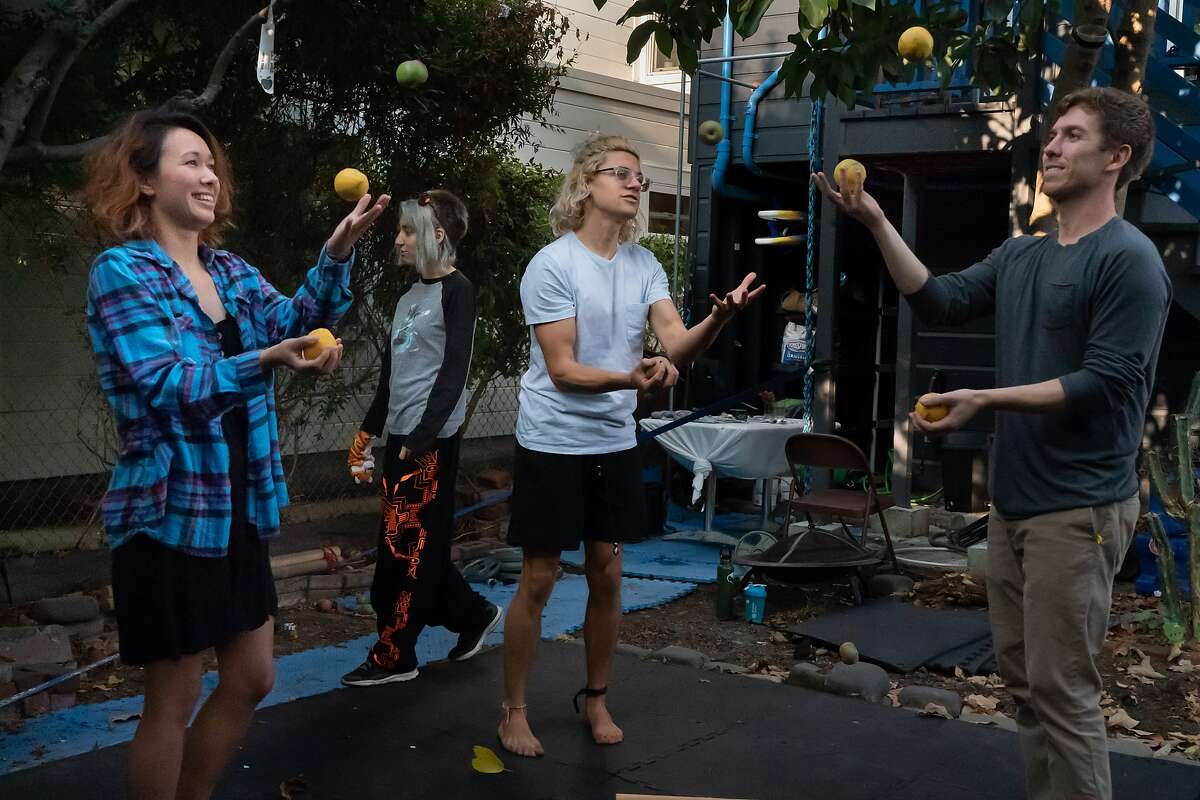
<point>169,603</point>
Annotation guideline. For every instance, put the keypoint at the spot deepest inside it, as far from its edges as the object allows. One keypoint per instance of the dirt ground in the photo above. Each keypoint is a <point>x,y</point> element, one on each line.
<point>1151,693</point>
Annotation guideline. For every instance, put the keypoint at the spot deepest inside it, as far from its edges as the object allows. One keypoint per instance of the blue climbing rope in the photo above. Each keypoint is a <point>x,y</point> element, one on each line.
<point>814,166</point>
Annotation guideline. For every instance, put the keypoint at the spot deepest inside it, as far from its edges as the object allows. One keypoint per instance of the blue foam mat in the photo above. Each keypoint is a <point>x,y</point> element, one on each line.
<point>694,562</point>
<point>85,727</point>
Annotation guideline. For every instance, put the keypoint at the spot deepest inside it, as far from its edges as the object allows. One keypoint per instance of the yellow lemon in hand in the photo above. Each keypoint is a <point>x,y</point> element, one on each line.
<point>350,184</point>
<point>931,414</point>
<point>915,44</point>
<point>325,341</point>
<point>849,170</point>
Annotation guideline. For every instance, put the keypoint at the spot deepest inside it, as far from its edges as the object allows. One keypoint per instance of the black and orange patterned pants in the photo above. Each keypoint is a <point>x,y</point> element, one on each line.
<point>415,583</point>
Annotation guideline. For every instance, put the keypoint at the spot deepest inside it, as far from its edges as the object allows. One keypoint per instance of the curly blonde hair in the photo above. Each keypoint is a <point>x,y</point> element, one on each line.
<point>566,214</point>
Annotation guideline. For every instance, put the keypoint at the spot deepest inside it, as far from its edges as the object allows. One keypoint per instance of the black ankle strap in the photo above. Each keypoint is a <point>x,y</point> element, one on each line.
<point>587,692</point>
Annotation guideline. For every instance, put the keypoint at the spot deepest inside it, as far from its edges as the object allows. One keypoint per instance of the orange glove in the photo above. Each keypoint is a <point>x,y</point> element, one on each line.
<point>360,460</point>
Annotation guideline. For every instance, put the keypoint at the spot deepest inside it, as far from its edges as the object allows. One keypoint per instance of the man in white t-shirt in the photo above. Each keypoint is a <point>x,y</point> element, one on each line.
<point>577,475</point>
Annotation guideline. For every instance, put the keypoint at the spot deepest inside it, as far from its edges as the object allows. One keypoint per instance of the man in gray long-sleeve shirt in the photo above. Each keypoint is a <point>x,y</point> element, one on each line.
<point>1079,318</point>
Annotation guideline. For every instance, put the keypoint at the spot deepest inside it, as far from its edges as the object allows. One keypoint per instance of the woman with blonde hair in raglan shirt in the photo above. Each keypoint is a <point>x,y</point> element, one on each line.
<point>421,402</point>
<point>577,476</point>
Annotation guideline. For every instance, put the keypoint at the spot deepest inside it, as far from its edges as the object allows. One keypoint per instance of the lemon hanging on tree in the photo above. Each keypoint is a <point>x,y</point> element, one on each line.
<point>915,44</point>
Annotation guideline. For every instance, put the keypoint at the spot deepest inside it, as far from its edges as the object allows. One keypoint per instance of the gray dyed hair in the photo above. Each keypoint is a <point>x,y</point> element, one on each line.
<point>421,220</point>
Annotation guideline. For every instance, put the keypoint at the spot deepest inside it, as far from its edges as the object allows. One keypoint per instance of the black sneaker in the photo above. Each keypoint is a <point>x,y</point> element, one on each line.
<point>371,674</point>
<point>471,642</point>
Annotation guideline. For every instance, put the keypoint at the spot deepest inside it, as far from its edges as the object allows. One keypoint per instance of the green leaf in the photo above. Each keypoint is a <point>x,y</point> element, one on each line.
<point>637,40</point>
<point>644,8</point>
<point>814,12</point>
<point>864,3</point>
<point>688,60</point>
<point>662,37</point>
<point>486,761</point>
<point>749,16</point>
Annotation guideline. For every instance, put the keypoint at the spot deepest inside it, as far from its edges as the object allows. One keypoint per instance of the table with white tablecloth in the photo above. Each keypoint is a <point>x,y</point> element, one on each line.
<point>751,450</point>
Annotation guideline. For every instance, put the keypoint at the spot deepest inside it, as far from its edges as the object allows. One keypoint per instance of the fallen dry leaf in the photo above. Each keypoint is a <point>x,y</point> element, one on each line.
<point>1176,651</point>
<point>1121,719</point>
<point>1144,670</point>
<point>934,710</point>
<point>958,673</point>
<point>977,680</point>
<point>982,702</point>
<point>1184,666</point>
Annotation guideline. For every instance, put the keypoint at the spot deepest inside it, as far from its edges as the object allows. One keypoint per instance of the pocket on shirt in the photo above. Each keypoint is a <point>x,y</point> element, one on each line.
<point>635,326</point>
<point>1059,303</point>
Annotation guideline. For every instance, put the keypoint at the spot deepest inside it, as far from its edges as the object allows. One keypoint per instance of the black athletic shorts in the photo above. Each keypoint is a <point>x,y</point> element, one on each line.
<point>559,500</point>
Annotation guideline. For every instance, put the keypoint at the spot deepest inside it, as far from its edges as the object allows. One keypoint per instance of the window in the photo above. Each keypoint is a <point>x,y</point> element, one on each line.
<point>656,69</point>
<point>662,213</point>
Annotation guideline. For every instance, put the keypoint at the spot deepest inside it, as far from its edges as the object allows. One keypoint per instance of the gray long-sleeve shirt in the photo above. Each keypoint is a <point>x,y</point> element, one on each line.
<point>1090,314</point>
<point>422,385</point>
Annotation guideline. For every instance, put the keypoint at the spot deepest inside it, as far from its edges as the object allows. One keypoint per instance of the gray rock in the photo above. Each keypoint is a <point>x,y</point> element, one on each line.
<point>724,667</point>
<point>884,585</point>
<point>51,644</point>
<point>808,675</point>
<point>85,630</point>
<point>65,610</point>
<point>6,673</point>
<point>860,680</point>
<point>920,696</point>
<point>632,650</point>
<point>674,654</point>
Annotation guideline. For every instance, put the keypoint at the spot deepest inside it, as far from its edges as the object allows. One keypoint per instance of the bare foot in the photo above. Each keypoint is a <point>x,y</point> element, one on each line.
<point>604,730</point>
<point>515,734</point>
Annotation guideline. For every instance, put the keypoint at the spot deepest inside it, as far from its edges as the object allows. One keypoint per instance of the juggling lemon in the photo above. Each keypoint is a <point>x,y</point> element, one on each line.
<point>325,341</point>
<point>350,184</point>
<point>931,413</point>
<point>849,170</point>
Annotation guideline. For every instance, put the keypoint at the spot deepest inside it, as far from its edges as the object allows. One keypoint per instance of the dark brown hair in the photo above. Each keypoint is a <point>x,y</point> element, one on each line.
<point>451,213</point>
<point>129,155</point>
<point>1124,119</point>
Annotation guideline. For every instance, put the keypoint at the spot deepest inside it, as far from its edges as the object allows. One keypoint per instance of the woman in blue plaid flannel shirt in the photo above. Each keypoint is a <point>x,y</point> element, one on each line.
<point>186,338</point>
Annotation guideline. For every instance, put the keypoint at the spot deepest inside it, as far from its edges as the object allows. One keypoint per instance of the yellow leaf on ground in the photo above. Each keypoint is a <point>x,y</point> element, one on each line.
<point>486,761</point>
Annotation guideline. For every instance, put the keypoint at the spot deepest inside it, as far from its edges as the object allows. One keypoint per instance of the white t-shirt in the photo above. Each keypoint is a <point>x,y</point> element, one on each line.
<point>609,300</point>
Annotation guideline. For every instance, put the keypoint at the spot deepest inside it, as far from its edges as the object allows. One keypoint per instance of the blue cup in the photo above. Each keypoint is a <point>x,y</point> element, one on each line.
<point>756,602</point>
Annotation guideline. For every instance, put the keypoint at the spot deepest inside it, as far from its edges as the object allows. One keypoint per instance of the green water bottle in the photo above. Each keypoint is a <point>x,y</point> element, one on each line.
<point>724,586</point>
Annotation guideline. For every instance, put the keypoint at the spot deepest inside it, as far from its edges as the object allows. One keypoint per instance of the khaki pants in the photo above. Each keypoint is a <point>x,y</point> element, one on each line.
<point>1050,583</point>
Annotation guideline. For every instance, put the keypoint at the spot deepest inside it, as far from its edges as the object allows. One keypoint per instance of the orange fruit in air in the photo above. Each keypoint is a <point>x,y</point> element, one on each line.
<point>325,340</point>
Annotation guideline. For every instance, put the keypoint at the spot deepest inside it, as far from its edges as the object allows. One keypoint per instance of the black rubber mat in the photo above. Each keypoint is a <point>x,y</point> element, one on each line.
<point>976,658</point>
<point>897,635</point>
<point>688,732</point>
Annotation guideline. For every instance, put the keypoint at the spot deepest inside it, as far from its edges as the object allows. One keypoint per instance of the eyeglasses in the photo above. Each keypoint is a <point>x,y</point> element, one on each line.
<point>623,175</point>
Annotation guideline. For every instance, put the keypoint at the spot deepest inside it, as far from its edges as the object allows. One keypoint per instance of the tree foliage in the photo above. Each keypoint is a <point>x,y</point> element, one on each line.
<point>844,47</point>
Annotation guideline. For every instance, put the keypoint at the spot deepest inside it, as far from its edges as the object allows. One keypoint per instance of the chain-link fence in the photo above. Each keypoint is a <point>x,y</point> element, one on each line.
<point>57,438</point>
